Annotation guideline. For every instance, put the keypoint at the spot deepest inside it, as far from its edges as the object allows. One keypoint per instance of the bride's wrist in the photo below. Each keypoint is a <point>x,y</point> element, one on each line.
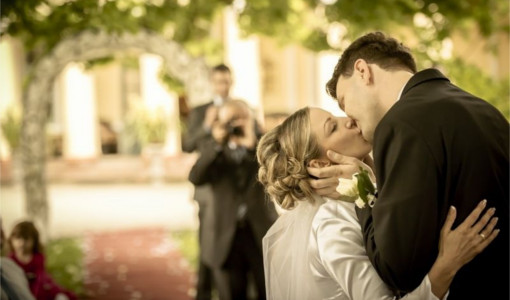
<point>444,269</point>
<point>441,276</point>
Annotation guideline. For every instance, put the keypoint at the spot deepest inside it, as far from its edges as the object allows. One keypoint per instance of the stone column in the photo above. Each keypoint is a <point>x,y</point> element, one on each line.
<point>156,96</point>
<point>246,72</point>
<point>11,77</point>
<point>81,138</point>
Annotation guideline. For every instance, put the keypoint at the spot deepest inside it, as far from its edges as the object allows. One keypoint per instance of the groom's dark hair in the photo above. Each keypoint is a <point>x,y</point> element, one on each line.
<point>374,48</point>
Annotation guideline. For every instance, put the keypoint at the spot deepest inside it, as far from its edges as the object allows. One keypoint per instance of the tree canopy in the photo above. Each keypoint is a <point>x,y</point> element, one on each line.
<point>41,24</point>
<point>315,24</point>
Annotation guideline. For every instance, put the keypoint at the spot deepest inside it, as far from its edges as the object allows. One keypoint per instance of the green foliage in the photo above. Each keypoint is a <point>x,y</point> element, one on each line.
<point>171,82</point>
<point>187,241</point>
<point>11,126</point>
<point>365,185</point>
<point>98,62</point>
<point>308,21</point>
<point>148,125</point>
<point>64,262</point>
<point>42,24</point>
<point>475,81</point>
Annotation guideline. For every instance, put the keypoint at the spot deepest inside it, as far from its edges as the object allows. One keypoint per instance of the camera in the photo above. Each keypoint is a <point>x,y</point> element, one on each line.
<point>234,130</point>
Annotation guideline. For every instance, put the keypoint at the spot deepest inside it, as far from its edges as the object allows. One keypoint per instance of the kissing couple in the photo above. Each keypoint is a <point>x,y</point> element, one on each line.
<point>441,170</point>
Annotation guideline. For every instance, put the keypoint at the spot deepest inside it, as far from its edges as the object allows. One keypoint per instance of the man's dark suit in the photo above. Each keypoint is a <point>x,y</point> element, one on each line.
<point>234,183</point>
<point>196,132</point>
<point>195,135</point>
<point>438,146</point>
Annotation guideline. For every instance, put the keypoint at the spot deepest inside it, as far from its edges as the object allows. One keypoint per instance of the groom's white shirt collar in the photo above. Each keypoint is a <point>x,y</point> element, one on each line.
<point>402,89</point>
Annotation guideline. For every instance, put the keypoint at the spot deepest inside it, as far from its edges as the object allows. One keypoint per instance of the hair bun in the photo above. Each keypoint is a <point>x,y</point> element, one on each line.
<point>281,154</point>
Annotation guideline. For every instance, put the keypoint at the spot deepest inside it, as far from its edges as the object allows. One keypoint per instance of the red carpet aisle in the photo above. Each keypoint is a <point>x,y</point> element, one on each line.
<point>136,265</point>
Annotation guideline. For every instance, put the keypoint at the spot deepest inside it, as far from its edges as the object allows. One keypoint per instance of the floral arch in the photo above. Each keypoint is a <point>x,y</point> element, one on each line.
<point>192,71</point>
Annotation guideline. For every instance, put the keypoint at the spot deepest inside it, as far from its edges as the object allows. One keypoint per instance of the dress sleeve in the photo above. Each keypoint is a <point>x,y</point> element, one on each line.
<point>341,251</point>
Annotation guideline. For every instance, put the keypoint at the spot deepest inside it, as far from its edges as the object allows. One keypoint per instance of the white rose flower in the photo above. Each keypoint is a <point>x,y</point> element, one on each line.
<point>360,203</point>
<point>348,187</point>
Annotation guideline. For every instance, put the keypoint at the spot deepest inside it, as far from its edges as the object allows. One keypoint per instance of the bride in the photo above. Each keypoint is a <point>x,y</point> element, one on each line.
<point>315,249</point>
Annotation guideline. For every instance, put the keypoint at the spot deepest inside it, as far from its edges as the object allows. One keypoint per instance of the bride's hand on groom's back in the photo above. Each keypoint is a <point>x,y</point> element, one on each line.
<point>324,180</point>
<point>461,245</point>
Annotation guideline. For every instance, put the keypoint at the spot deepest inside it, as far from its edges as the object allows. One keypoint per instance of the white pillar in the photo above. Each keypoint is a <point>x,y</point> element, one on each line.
<point>108,87</point>
<point>81,138</point>
<point>11,59</point>
<point>156,96</point>
<point>327,63</point>
<point>243,57</point>
<point>173,135</point>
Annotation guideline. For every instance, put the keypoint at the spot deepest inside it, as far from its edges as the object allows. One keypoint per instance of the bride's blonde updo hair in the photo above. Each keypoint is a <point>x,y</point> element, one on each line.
<point>283,154</point>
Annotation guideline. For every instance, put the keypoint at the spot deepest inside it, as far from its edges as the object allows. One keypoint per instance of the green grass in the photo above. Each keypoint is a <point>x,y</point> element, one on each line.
<point>187,241</point>
<point>64,261</point>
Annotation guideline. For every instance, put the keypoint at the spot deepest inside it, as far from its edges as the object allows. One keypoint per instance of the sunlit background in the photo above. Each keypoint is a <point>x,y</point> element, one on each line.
<point>103,89</point>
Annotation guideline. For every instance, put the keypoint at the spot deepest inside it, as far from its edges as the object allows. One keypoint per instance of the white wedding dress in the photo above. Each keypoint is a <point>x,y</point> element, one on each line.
<point>315,251</point>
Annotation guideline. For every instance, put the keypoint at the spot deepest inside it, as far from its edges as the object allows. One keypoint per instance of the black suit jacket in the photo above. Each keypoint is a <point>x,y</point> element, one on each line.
<point>195,136</point>
<point>438,146</point>
<point>233,182</point>
<point>195,133</point>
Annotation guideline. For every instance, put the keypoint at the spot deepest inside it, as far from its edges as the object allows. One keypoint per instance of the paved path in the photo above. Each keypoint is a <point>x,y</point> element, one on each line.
<point>136,265</point>
<point>77,209</point>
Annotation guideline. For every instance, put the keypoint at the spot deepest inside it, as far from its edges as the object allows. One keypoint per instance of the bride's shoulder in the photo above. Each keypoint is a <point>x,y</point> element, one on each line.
<point>337,210</point>
<point>338,206</point>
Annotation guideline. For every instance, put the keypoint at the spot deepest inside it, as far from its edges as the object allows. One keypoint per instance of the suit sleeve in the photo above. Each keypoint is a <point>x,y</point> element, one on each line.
<point>195,131</point>
<point>205,169</point>
<point>401,232</point>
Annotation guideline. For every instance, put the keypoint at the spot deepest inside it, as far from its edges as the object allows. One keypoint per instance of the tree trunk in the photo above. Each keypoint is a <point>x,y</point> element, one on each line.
<point>34,159</point>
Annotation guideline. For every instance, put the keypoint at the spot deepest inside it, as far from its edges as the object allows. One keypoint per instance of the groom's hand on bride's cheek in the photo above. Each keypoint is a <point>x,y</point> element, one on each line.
<point>324,181</point>
<point>348,166</point>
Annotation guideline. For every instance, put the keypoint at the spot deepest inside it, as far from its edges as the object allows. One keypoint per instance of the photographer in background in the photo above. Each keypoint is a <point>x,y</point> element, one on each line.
<point>198,133</point>
<point>242,215</point>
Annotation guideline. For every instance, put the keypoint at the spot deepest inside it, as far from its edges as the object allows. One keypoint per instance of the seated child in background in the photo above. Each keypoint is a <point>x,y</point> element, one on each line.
<point>26,250</point>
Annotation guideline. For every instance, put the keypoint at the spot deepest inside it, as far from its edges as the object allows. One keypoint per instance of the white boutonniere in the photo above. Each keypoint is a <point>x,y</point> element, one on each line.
<point>359,189</point>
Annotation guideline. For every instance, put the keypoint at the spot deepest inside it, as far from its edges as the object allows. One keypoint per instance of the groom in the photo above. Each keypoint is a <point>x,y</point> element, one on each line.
<point>434,145</point>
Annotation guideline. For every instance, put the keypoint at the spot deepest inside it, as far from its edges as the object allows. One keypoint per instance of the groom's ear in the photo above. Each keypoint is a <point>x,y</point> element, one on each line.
<point>363,71</point>
<point>319,163</point>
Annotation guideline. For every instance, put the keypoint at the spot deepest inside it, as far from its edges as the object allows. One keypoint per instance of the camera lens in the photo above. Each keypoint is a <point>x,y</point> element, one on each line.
<point>237,131</point>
